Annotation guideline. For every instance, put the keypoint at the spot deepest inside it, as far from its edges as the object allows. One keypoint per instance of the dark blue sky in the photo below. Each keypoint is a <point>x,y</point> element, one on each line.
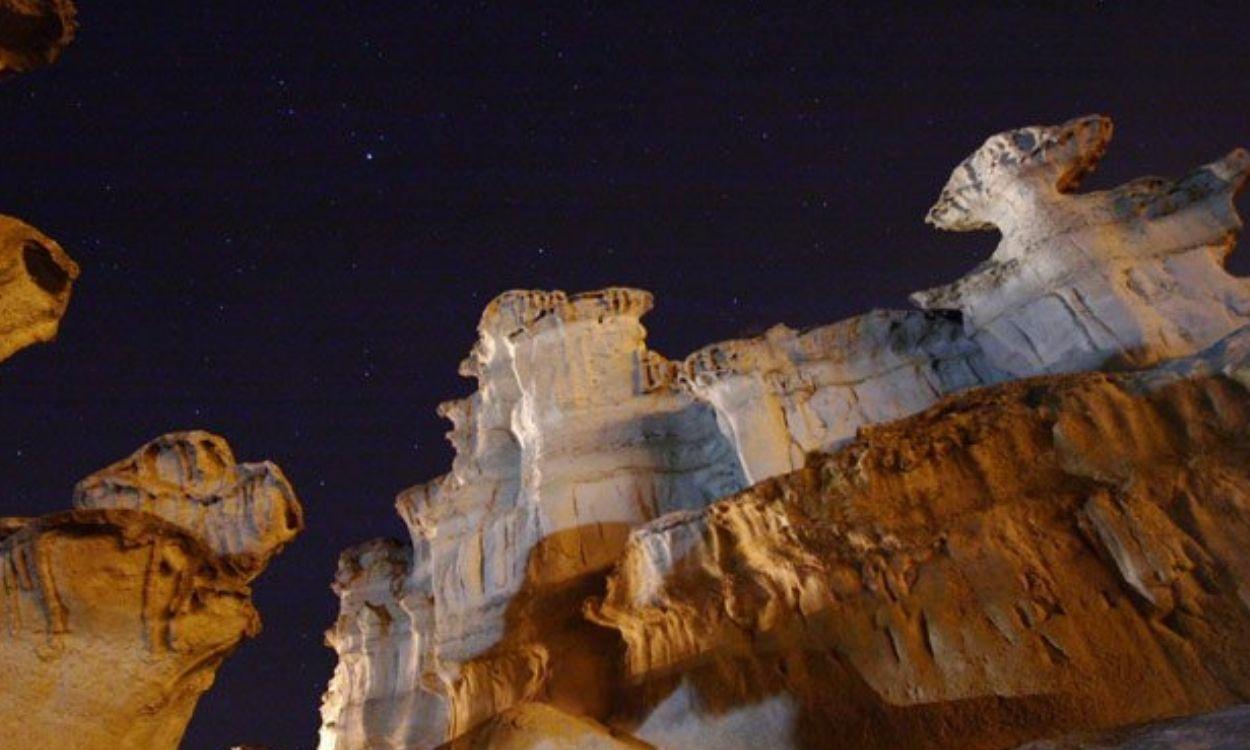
<point>289,215</point>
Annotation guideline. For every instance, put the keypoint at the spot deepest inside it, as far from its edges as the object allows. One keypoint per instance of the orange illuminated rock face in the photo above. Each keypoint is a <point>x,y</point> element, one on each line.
<point>115,616</point>
<point>36,279</point>
<point>1056,553</point>
<point>33,33</point>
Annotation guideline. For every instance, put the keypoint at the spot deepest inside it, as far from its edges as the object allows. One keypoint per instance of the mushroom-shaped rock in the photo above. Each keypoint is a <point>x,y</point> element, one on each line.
<point>33,33</point>
<point>36,277</point>
<point>245,513</point>
<point>115,616</point>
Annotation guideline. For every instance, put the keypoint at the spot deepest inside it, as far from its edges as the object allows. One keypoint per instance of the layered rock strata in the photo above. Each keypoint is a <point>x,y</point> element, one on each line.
<point>116,615</point>
<point>578,433</point>
<point>36,279</point>
<point>1055,553</point>
<point>33,33</point>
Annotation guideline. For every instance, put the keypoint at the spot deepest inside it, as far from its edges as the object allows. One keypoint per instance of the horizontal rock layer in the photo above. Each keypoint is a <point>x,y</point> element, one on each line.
<point>578,433</point>
<point>115,616</point>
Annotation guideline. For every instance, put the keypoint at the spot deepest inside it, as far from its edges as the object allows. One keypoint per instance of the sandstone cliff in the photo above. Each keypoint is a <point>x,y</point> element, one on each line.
<point>578,434</point>
<point>115,615</point>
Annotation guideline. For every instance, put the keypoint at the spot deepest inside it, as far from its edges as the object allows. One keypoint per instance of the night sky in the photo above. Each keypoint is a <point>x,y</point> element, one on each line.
<point>290,214</point>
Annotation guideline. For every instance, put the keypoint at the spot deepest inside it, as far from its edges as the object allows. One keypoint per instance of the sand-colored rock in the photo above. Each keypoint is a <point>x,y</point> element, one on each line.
<point>245,513</point>
<point>116,615</point>
<point>578,433</point>
<point>36,278</point>
<point>537,726</point>
<point>33,33</point>
<point>1056,553</point>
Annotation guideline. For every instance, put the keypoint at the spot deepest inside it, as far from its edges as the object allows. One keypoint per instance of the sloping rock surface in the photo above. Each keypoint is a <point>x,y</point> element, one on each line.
<point>1059,552</point>
<point>1221,730</point>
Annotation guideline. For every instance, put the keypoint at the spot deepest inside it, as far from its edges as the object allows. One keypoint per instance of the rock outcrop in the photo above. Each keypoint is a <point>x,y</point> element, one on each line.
<point>33,33</point>
<point>579,434</point>
<point>1122,277</point>
<point>115,615</point>
<point>536,726</point>
<point>1045,554</point>
<point>1221,730</point>
<point>36,278</point>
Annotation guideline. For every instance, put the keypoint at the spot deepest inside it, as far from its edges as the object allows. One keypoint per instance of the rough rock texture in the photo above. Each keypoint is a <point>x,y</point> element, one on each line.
<point>33,33</point>
<point>1222,730</point>
<point>1060,552</point>
<point>784,394</point>
<point>115,616</point>
<point>1128,276</point>
<point>245,513</point>
<point>537,726</point>
<point>36,278</point>
<point>578,434</point>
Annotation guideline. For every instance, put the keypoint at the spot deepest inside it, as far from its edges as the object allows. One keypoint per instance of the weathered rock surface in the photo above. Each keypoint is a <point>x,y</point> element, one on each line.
<point>245,513</point>
<point>33,33</point>
<point>1122,277</point>
<point>36,278</point>
<point>115,615</point>
<point>1222,730</point>
<point>578,434</point>
<point>1062,552</point>
<point>536,726</point>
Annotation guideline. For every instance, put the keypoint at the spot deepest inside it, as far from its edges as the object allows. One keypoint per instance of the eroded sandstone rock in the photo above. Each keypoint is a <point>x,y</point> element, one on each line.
<point>115,615</point>
<point>245,513</point>
<point>1064,552</point>
<point>536,726</point>
<point>578,434</point>
<point>1121,277</point>
<point>33,33</point>
<point>36,278</point>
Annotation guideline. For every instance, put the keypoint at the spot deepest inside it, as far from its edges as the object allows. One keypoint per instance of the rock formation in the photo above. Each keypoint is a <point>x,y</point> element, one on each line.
<point>1221,730</point>
<point>536,726</point>
<point>33,33</point>
<point>115,615</point>
<point>578,434</point>
<point>1045,554</point>
<point>1122,277</point>
<point>36,278</point>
